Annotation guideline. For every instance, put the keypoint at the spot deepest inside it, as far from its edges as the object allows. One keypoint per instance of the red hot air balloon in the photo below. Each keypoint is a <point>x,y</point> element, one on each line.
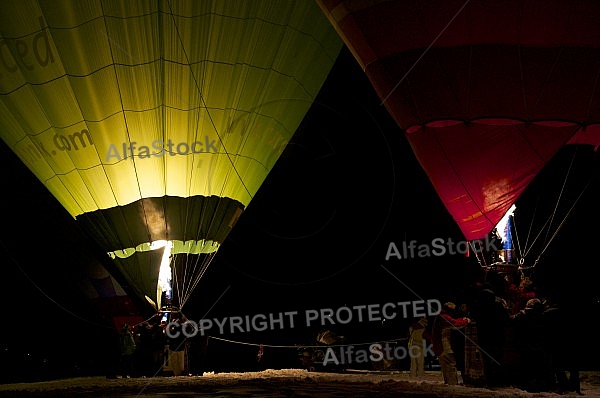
<point>487,92</point>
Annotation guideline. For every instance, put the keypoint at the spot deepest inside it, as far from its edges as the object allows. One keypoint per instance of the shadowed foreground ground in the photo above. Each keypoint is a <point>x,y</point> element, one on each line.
<point>276,383</point>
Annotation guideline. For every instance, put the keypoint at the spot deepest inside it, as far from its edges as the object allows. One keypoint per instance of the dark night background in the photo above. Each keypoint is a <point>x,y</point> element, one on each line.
<point>315,236</point>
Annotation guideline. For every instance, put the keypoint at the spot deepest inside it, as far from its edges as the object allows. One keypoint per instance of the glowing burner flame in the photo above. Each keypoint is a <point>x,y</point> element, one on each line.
<point>165,274</point>
<point>503,228</point>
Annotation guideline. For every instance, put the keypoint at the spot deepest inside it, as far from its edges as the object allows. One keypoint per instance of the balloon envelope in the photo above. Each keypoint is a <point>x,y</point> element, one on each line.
<point>487,92</point>
<point>158,120</point>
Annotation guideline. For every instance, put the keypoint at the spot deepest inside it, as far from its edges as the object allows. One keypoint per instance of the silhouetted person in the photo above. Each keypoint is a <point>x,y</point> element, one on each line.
<point>491,318</point>
<point>143,353</point>
<point>444,324</point>
<point>127,345</point>
<point>157,347</point>
<point>417,355</point>
<point>562,335</point>
<point>530,340</point>
<point>197,353</point>
<point>177,345</point>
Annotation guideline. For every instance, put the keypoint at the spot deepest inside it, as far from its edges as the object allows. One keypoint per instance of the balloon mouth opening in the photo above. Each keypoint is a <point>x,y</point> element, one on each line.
<point>178,247</point>
<point>164,287</point>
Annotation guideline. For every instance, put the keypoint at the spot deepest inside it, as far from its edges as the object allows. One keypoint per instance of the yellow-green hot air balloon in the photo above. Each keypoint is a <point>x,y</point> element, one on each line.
<point>154,122</point>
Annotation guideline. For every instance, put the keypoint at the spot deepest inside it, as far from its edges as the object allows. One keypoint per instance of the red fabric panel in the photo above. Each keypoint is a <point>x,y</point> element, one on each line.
<point>589,136</point>
<point>480,170</point>
<point>468,83</point>
<point>396,26</point>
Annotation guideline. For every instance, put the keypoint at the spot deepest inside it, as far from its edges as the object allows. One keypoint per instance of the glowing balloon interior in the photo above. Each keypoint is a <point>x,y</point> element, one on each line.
<point>158,120</point>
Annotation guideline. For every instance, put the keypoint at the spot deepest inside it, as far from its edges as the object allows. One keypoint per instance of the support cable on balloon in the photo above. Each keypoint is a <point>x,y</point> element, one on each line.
<point>200,263</point>
<point>517,244</point>
<point>547,224</point>
<point>562,190</point>
<point>199,276</point>
<point>549,220</point>
<point>563,220</point>
<point>478,255</point>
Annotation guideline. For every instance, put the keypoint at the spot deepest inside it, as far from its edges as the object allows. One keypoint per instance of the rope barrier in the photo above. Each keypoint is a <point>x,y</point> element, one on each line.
<point>303,346</point>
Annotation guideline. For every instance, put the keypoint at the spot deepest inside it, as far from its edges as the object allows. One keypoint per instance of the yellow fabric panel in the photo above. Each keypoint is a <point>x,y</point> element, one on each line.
<point>98,186</point>
<point>65,14</point>
<point>29,151</point>
<point>123,181</point>
<point>77,187</point>
<point>109,136</point>
<point>56,186</point>
<point>21,115</point>
<point>59,102</point>
<point>96,107</point>
<point>90,34</point>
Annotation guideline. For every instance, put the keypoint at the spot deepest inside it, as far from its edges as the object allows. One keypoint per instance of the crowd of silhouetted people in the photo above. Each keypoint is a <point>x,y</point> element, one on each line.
<point>500,333</point>
<point>156,348</point>
<point>505,334</point>
<point>140,350</point>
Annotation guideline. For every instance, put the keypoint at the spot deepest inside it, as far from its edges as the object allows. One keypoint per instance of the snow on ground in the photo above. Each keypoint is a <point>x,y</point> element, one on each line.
<point>277,383</point>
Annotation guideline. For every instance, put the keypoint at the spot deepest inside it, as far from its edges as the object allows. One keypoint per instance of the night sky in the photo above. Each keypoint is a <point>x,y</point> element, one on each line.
<point>315,236</point>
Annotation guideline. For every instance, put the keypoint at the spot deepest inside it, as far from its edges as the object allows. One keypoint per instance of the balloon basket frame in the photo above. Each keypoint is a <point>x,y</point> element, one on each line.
<point>169,309</point>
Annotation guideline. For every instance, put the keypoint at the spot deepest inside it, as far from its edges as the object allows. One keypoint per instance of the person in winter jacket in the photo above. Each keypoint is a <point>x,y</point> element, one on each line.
<point>492,319</point>
<point>443,326</point>
<point>534,359</point>
<point>416,346</point>
<point>127,345</point>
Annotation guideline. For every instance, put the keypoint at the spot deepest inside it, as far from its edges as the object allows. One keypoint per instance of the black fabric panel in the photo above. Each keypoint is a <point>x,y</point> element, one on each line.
<point>168,218</point>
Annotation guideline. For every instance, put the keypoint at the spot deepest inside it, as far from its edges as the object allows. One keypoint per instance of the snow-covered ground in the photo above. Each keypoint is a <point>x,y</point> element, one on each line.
<point>277,383</point>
